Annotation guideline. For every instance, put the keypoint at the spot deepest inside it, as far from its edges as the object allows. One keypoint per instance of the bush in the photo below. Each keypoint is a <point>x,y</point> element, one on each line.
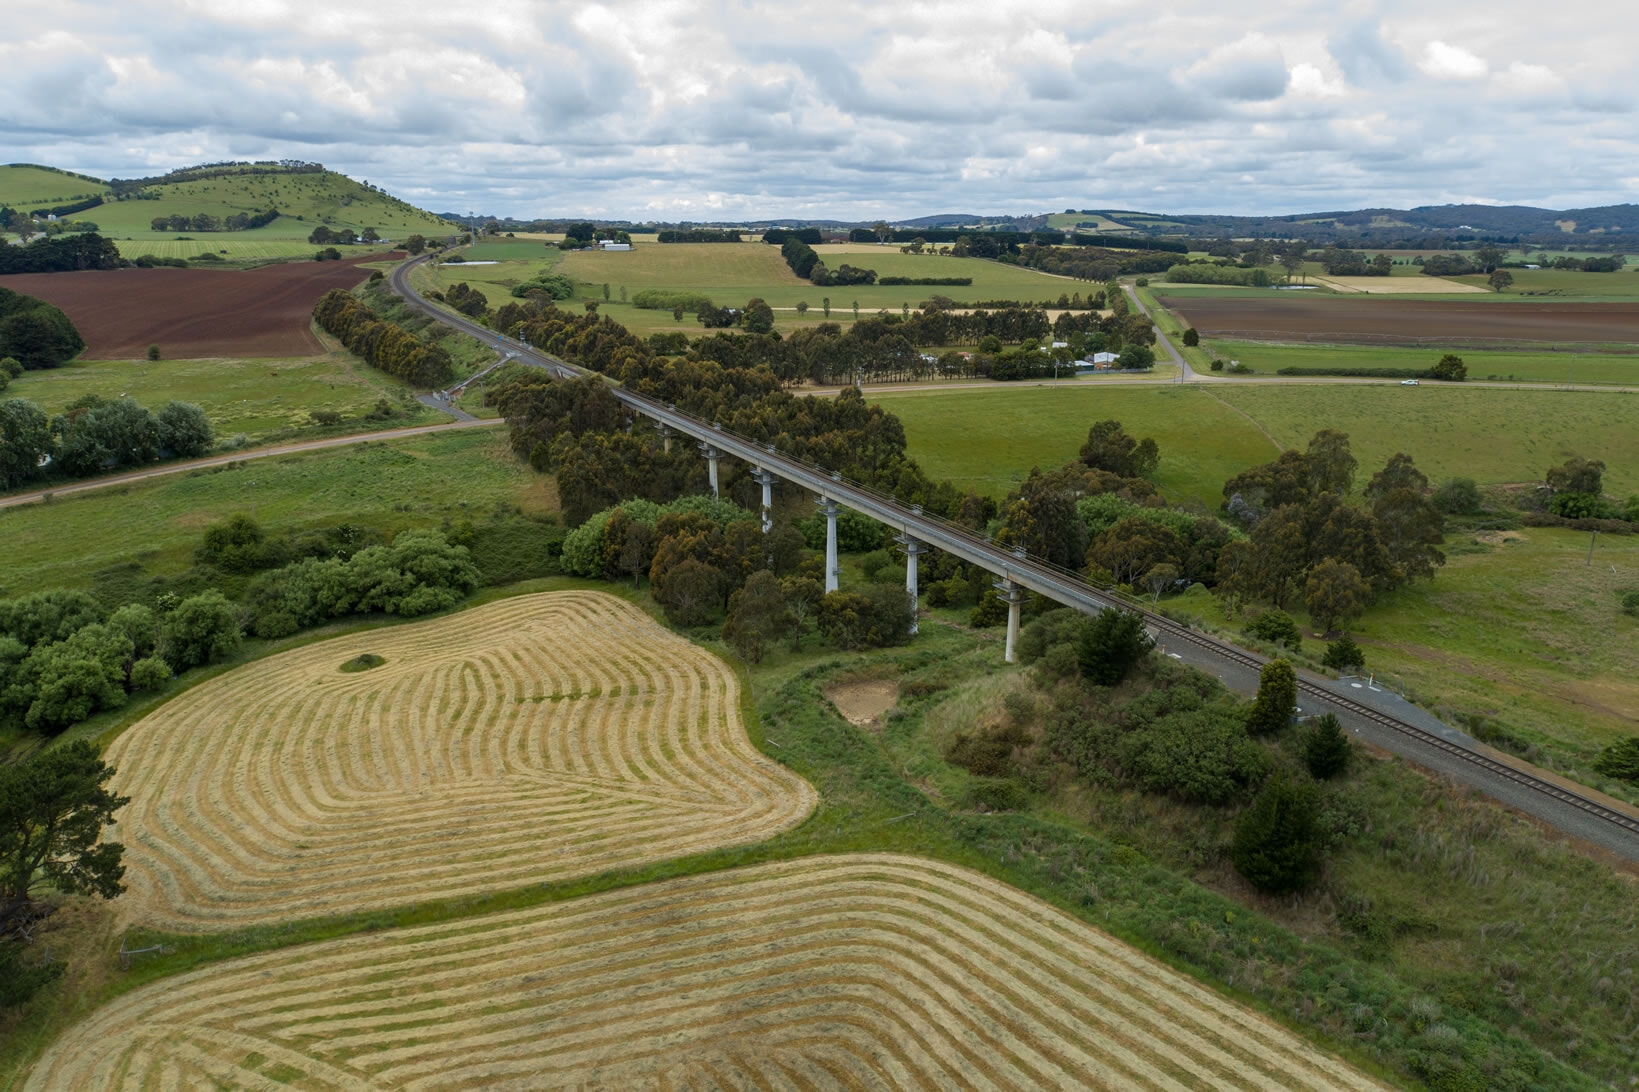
<point>1200,755</point>
<point>1110,644</point>
<point>995,794</point>
<point>153,352</point>
<point>1344,655</point>
<point>149,673</point>
<point>1326,748</point>
<point>873,563</point>
<point>1277,699</point>
<point>1277,840</point>
<point>1276,627</point>
<point>1457,496</point>
<point>1620,760</point>
<point>1630,602</point>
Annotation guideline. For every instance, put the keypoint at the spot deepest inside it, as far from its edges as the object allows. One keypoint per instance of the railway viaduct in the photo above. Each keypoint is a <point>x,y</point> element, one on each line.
<point>1375,717</point>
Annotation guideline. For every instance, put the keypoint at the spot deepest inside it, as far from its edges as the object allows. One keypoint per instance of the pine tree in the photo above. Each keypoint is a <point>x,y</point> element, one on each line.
<point>1326,748</point>
<point>1277,697</point>
<point>1276,845</point>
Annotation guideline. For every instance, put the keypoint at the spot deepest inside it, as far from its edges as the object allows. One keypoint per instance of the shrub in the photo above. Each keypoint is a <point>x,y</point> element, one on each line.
<point>1326,748</point>
<point>153,352</point>
<point>1110,644</point>
<point>873,563</point>
<point>1620,760</point>
<point>1630,602</point>
<point>1277,840</point>
<point>1344,655</point>
<point>1277,697</point>
<point>150,673</point>
<point>1200,755</point>
<point>1277,627</point>
<point>995,794</point>
<point>1457,496</point>
<point>988,749</point>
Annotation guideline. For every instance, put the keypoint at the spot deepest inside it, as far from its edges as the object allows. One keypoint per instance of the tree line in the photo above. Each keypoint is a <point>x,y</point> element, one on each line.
<point>204,221</point>
<point>696,235</point>
<point>60,254</point>
<point>93,435</point>
<point>382,344</point>
<point>35,334</point>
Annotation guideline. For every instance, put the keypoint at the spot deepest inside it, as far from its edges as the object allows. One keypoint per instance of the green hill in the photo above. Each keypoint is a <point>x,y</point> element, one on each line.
<point>26,186</point>
<point>305,195</point>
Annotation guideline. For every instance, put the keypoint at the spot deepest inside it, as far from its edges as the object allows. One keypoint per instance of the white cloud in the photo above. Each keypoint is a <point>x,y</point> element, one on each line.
<point>1449,62</point>
<point>841,107</point>
<point>1307,81</point>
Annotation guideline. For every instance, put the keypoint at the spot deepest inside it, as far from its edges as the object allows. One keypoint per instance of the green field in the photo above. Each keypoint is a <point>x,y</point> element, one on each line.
<point>27,188</point>
<point>1518,627</point>
<point>1600,368</point>
<point>230,246</point>
<point>387,485</point>
<point>1568,284</point>
<point>732,273</point>
<point>988,440</point>
<point>1492,436</point>
<point>258,398</point>
<point>501,250</point>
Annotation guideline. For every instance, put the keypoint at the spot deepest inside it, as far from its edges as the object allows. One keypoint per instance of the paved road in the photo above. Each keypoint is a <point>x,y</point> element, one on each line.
<point>240,456</point>
<point>1185,372</point>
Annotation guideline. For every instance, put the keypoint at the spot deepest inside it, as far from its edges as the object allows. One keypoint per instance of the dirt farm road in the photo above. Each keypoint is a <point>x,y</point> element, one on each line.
<point>240,456</point>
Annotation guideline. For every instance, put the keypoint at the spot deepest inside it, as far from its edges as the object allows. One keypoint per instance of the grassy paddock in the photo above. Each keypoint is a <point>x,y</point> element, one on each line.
<point>1601,368</point>
<point>988,440</point>
<point>1492,436</point>
<point>259,398</point>
<point>156,524</point>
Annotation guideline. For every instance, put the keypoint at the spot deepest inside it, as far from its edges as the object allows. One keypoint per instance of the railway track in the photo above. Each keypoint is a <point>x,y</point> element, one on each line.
<point>1045,578</point>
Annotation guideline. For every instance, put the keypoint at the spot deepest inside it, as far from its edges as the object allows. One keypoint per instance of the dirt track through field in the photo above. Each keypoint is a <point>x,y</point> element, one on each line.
<point>532,739</point>
<point>849,971</point>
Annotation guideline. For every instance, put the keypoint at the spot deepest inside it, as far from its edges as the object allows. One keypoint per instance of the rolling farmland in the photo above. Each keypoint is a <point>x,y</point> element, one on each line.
<point>535,738</point>
<point>853,971</point>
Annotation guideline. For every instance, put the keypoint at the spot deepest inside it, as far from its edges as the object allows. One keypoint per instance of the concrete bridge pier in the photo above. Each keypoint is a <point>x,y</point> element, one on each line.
<point>666,435</point>
<point>712,455</point>
<point>1012,595</point>
<point>912,549</point>
<point>832,569</point>
<point>766,480</point>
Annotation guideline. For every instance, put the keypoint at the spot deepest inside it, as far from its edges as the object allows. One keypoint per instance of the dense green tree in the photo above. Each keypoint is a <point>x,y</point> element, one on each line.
<point>1110,644</point>
<point>1110,448</point>
<point>757,317</point>
<point>25,440</point>
<point>114,434</point>
<point>802,601</point>
<point>1326,748</point>
<point>67,681</point>
<point>845,618</point>
<point>53,808</point>
<point>1328,463</point>
<point>1277,627</point>
<point>1277,699</point>
<point>414,245</point>
<point>36,333</point>
<point>1450,368</point>
<point>43,617</point>
<point>1277,845</point>
<point>1577,475</point>
<point>140,625</point>
<point>201,629</point>
<point>757,616</point>
<point>236,545</point>
<point>1499,280</point>
<point>691,592</point>
<point>1335,594</point>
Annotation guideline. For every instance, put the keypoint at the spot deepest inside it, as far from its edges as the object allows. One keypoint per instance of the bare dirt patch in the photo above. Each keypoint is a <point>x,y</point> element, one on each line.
<point>194,313</point>
<point>1368,321</point>
<point>864,702</point>
<point>1498,538</point>
<point>1396,285</point>
<point>535,738</point>
<point>865,971</point>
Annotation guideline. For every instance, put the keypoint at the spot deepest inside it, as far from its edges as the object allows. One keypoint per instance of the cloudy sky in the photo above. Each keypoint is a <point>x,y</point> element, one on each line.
<point>722,109</point>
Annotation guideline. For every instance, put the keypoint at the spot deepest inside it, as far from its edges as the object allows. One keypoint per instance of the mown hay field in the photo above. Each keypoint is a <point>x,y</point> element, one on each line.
<point>845,971</point>
<point>532,739</point>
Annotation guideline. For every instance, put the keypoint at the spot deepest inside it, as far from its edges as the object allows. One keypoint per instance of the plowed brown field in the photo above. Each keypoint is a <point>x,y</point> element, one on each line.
<point>861,971</point>
<point>1402,322</point>
<point>193,313</point>
<point>536,738</point>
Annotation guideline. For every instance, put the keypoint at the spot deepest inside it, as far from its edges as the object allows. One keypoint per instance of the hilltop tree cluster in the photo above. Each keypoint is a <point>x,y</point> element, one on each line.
<point>36,334</point>
<point>204,221</point>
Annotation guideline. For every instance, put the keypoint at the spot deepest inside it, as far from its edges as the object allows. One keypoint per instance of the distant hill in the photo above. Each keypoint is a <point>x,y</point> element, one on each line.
<point>1511,223</point>
<point>305,195</point>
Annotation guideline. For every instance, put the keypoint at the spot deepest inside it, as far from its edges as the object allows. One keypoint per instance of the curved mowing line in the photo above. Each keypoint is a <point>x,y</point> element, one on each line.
<point>857,970</point>
<point>531,739</point>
